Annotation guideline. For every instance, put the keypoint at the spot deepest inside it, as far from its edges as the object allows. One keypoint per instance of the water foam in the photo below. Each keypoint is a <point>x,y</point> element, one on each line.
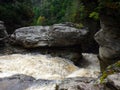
<point>38,66</point>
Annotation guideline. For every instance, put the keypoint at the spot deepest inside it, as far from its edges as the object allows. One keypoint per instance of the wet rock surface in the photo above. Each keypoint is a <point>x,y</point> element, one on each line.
<point>24,82</point>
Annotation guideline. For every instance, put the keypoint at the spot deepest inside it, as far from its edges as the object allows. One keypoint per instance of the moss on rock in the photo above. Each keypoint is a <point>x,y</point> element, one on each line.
<point>114,68</point>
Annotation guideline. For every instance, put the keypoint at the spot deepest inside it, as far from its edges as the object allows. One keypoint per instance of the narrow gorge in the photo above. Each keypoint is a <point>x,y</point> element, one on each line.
<point>59,45</point>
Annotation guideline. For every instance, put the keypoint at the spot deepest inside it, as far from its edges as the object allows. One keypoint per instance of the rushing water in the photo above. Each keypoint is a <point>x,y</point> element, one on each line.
<point>43,67</point>
<point>46,67</point>
<point>38,66</point>
<point>89,67</point>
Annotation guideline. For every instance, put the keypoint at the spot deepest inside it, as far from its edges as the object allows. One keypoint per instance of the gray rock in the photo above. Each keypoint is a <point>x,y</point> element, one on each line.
<point>109,40</point>
<point>24,82</point>
<point>33,36</point>
<point>79,84</point>
<point>3,33</point>
<point>16,82</point>
<point>56,35</point>
<point>113,81</point>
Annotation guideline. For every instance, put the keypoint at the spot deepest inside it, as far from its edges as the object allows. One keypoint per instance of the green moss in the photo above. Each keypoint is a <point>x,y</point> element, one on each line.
<point>114,68</point>
<point>80,25</point>
<point>94,15</point>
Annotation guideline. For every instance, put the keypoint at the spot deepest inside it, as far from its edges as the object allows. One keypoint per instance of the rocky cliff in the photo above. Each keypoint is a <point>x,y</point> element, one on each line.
<point>108,37</point>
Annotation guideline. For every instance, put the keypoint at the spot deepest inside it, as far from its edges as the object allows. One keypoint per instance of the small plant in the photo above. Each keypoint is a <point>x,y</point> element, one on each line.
<point>79,25</point>
<point>94,15</point>
<point>41,20</point>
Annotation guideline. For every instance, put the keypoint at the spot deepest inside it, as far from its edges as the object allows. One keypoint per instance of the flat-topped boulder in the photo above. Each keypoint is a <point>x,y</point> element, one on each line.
<point>58,35</point>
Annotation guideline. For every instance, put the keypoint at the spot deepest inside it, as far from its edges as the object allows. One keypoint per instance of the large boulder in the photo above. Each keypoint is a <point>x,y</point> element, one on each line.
<point>59,35</point>
<point>62,40</point>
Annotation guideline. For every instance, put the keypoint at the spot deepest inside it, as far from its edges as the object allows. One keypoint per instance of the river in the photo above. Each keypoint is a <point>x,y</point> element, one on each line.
<point>46,67</point>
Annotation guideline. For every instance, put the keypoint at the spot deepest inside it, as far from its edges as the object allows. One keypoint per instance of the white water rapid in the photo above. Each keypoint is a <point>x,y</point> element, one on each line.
<point>43,67</point>
<point>38,66</point>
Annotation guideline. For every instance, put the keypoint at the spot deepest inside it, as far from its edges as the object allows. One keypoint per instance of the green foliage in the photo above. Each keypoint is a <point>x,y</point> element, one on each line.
<point>79,25</point>
<point>24,12</point>
<point>94,15</point>
<point>16,14</point>
<point>114,4</point>
<point>56,11</point>
<point>41,20</point>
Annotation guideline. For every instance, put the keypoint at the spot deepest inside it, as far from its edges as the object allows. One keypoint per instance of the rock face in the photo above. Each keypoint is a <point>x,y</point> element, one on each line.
<point>109,38</point>
<point>24,82</point>
<point>56,35</point>
<point>3,33</point>
<point>79,84</point>
<point>114,81</point>
<point>83,83</point>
